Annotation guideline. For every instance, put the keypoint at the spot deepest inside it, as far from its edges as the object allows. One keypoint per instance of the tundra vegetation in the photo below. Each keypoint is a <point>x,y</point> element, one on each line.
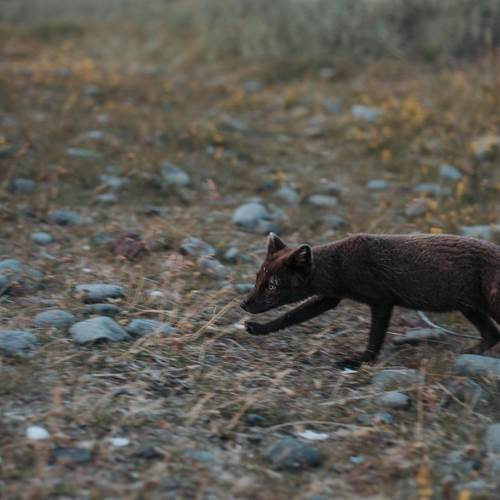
<point>145,153</point>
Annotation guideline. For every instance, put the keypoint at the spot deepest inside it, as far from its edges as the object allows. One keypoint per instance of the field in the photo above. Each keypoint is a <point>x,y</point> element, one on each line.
<point>387,146</point>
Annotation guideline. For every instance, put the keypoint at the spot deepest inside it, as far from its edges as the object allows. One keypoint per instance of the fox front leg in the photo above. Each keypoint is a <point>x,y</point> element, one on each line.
<point>305,311</point>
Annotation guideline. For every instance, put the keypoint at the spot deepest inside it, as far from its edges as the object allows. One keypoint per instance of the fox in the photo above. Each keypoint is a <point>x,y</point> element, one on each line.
<point>425,272</point>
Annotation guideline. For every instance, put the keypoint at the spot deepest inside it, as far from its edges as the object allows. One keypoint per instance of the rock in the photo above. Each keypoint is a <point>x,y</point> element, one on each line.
<point>377,185</point>
<point>432,189</point>
<point>102,239</point>
<point>334,221</point>
<point>492,438</point>
<point>64,218</point>
<point>396,400</point>
<point>7,150</point>
<point>252,86</point>
<point>37,433</point>
<point>416,336</point>
<point>357,459</point>
<point>85,154</point>
<point>172,175</point>
<point>486,147</point>
<point>102,309</point>
<point>106,199</point>
<point>58,318</point>
<point>396,377</point>
<point>332,106</point>
<point>211,267</point>
<point>289,195</point>
<point>375,418</point>
<point>290,453</point>
<point>474,487</point>
<point>196,247</point>
<point>42,238</point>
<point>143,327</point>
<point>366,113</point>
<point>149,453</point>
<point>254,218</point>
<point>18,277</point>
<point>243,287</point>
<point>467,391</point>
<point>476,365</point>
<point>154,211</point>
<point>327,73</point>
<point>485,231</point>
<point>23,186</point>
<point>323,200</point>
<point>119,442</point>
<point>97,329</point>
<point>326,186</point>
<point>114,182</point>
<point>4,284</point>
<point>199,455</point>
<point>17,343</point>
<point>99,292</point>
<point>417,208</point>
<point>71,455</point>
<point>253,419</point>
<point>231,255</point>
<point>450,173</point>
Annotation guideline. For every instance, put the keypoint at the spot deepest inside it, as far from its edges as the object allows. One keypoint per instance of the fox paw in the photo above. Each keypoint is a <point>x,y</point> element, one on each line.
<point>254,328</point>
<point>349,364</point>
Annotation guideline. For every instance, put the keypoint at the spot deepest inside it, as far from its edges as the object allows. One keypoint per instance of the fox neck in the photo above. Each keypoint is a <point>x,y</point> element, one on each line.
<point>326,269</point>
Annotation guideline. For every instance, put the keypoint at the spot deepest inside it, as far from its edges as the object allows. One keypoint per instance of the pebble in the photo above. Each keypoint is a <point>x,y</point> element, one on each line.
<point>119,442</point>
<point>4,284</point>
<point>323,200</point>
<point>102,309</point>
<point>395,400</point>
<point>254,218</point>
<point>99,292</point>
<point>58,318</point>
<point>106,199</point>
<point>42,238</point>
<point>64,218</point>
<point>102,239</point>
<point>37,433</point>
<point>154,211</point>
<point>86,154</point>
<point>199,455</point>
<point>288,195</point>
<point>211,267</point>
<point>467,391</point>
<point>114,182</point>
<point>254,419</point>
<point>432,189</point>
<point>143,327</point>
<point>366,113</point>
<point>377,185</point>
<point>476,365</point>
<point>375,418</point>
<point>450,173</point>
<point>95,329</point>
<point>332,106</point>
<point>416,336</point>
<point>23,186</point>
<point>417,208</point>
<point>334,221</point>
<point>17,343</point>
<point>172,175</point>
<point>484,231</point>
<point>243,287</point>
<point>71,455</point>
<point>492,438</point>
<point>396,377</point>
<point>196,247</point>
<point>16,277</point>
<point>231,255</point>
<point>291,454</point>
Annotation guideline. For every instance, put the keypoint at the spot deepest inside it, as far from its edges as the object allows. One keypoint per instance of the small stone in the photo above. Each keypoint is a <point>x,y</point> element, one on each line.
<point>243,287</point>
<point>85,154</point>
<point>4,284</point>
<point>327,186</point>
<point>323,201</point>
<point>467,391</point>
<point>99,292</point>
<point>143,327</point>
<point>154,211</point>
<point>42,238</point>
<point>290,453</point>
<point>37,433</point>
<point>196,247</point>
<point>18,278</point>
<point>476,486</point>
<point>254,218</point>
<point>71,455</point>
<point>64,218</point>
<point>252,86</point>
<point>231,255</point>
<point>476,365</point>
<point>357,459</point>
<point>106,199</point>
<point>102,309</point>
<point>450,173</point>
<point>13,265</point>
<point>492,438</point>
<point>58,318</point>
<point>149,453</point>
<point>416,336</point>
<point>376,418</point>
<point>396,400</point>
<point>485,231</point>
<point>332,106</point>
<point>432,189</point>
<point>253,419</point>
<point>366,113</point>
<point>334,221</point>
<point>211,267</point>
<point>23,186</point>
<point>288,195</point>
<point>377,185</point>
<point>17,343</point>
<point>396,377</point>
<point>114,182</point>
<point>417,208</point>
<point>119,442</point>
<point>327,73</point>
<point>199,455</point>
<point>97,329</point>
<point>172,175</point>
<point>102,239</point>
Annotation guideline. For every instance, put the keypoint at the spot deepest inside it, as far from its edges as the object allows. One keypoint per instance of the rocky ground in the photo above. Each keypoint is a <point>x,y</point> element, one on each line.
<point>134,203</point>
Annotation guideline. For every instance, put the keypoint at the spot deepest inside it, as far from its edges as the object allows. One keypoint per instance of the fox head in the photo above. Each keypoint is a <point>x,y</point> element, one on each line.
<point>283,277</point>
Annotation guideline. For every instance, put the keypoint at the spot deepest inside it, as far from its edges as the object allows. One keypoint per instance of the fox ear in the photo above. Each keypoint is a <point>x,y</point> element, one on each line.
<point>274,243</point>
<point>302,258</point>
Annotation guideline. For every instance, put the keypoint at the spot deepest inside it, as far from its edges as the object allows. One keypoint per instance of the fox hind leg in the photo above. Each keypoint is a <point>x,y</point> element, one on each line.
<point>488,330</point>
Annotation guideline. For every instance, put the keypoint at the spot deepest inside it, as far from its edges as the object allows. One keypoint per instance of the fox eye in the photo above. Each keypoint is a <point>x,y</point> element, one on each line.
<point>272,285</point>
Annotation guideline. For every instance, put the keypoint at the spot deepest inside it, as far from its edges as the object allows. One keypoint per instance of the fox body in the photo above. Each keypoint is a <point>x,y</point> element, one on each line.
<point>425,272</point>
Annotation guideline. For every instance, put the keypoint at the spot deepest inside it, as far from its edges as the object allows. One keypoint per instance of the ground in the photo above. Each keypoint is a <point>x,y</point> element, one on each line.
<point>201,407</point>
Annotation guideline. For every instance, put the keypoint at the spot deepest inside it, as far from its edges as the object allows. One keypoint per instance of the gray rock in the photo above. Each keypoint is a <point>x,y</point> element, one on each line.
<point>97,329</point>
<point>243,287</point>
<point>327,72</point>
<point>474,487</point>
<point>93,293</point>
<point>71,455</point>
<point>106,199</point>
<point>432,189</point>
<point>326,186</point>
<point>377,185</point>
<point>154,211</point>
<point>65,218</point>
<point>395,400</point>
<point>396,377</point>
<point>450,173</point>
<point>492,438</point>
<point>18,277</point>
<point>102,239</point>
<point>23,186</point>
<point>102,309</point>
<point>13,265</point>
<point>332,106</point>
<point>196,247</point>
<point>375,418</point>
<point>416,336</point>
<point>143,327</point>
<point>7,150</point>
<point>58,318</point>
<point>172,175</point>
<point>42,238</point>
<point>4,284</point>
<point>323,200</point>
<point>366,113</point>
<point>199,455</point>
<point>17,343</point>
<point>485,231</point>
<point>211,267</point>
<point>289,195</point>
<point>253,419</point>
<point>114,182</point>
<point>85,154</point>
<point>231,255</point>
<point>467,391</point>
<point>334,221</point>
<point>475,365</point>
<point>417,208</point>
<point>291,454</point>
<point>252,86</point>
<point>254,218</point>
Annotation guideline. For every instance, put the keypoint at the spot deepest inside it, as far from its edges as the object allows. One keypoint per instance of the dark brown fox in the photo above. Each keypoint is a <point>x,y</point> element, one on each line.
<point>425,272</point>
